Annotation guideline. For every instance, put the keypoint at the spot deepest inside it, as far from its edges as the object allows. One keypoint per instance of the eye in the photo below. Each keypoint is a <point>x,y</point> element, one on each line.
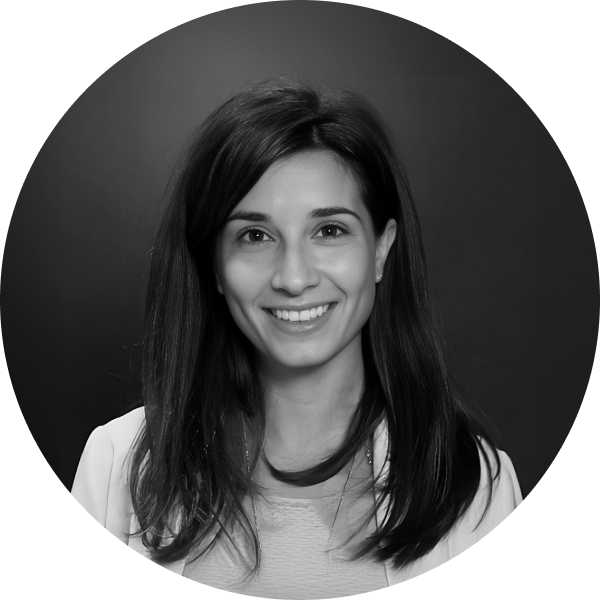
<point>254,236</point>
<point>330,231</point>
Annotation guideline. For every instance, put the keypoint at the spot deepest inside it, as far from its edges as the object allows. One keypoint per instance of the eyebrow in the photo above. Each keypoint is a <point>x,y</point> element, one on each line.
<point>244,215</point>
<point>330,211</point>
<point>317,213</point>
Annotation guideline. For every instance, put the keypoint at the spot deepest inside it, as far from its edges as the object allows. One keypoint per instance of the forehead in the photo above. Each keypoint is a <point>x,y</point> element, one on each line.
<point>302,183</point>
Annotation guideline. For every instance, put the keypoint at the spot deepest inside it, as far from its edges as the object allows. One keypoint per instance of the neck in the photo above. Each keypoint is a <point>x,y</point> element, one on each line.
<point>308,410</point>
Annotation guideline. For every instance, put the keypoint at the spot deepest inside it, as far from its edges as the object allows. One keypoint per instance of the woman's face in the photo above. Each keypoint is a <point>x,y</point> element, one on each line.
<point>298,260</point>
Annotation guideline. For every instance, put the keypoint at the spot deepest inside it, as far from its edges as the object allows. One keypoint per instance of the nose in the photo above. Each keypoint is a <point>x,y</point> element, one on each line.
<point>295,271</point>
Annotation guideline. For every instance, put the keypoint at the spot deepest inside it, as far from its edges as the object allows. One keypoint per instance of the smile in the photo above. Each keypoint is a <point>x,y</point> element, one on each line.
<point>302,315</point>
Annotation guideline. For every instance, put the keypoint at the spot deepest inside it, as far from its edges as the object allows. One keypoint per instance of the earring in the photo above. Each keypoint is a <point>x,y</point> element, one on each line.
<point>378,278</point>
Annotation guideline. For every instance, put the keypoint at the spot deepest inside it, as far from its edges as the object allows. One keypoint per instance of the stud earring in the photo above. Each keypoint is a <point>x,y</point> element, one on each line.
<point>378,278</point>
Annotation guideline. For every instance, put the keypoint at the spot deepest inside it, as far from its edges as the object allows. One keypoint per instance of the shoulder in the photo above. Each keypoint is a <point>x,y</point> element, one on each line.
<point>120,433</point>
<point>505,490</point>
<point>497,496</point>
<point>100,483</point>
<point>110,443</point>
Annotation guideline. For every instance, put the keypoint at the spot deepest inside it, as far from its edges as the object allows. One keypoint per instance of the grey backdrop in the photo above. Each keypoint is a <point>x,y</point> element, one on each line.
<point>513,268</point>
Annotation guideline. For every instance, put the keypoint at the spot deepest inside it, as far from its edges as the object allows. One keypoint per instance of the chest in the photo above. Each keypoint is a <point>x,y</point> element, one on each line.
<point>306,547</point>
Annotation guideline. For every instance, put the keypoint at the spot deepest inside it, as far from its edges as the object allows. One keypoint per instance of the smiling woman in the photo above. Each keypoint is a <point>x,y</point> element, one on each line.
<point>300,437</point>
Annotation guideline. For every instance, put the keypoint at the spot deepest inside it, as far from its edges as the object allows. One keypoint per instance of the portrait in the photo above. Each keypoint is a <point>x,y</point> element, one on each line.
<point>285,307</point>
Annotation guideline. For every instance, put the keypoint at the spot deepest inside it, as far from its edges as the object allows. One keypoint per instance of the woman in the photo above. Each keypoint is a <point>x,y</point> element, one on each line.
<point>300,437</point>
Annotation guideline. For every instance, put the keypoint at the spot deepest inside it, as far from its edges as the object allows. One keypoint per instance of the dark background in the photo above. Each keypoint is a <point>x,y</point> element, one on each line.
<point>512,263</point>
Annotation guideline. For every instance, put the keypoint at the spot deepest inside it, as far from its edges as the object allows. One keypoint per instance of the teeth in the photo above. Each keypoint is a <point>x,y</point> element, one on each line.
<point>304,315</point>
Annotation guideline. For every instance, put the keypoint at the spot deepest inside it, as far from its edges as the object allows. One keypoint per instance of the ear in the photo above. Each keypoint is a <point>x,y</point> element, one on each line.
<point>218,280</point>
<point>384,243</point>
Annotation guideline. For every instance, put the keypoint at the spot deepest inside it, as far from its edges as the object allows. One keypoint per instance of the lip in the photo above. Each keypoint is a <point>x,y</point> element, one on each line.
<point>301,307</point>
<point>301,327</point>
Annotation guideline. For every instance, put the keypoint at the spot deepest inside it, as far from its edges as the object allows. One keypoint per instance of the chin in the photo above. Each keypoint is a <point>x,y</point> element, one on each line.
<point>300,358</point>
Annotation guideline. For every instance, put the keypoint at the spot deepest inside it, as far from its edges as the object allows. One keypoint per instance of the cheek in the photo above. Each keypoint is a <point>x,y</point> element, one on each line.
<point>354,272</point>
<point>242,281</point>
<point>241,286</point>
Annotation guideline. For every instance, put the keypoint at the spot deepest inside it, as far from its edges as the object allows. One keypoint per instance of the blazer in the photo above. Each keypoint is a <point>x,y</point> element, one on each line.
<point>100,485</point>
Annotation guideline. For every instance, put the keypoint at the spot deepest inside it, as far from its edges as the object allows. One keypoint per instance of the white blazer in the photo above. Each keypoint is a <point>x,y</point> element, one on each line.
<point>101,487</point>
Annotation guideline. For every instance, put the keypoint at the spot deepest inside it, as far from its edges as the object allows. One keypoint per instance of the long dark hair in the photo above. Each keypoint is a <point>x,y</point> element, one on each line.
<point>188,474</point>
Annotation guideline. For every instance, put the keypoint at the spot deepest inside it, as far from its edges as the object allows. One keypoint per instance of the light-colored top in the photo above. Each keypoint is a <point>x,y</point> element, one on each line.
<point>301,556</point>
<point>101,487</point>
